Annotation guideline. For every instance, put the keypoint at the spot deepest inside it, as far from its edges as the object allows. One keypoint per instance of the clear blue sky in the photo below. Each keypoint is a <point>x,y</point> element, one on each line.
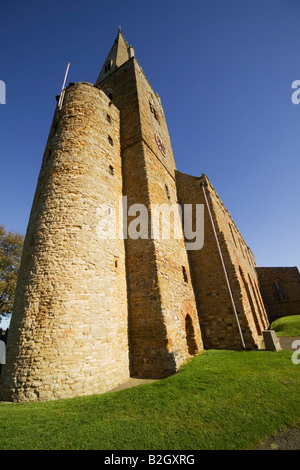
<point>224,71</point>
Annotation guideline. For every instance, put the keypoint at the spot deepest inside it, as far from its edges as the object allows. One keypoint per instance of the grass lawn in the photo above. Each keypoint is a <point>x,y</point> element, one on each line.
<point>218,400</point>
<point>287,326</point>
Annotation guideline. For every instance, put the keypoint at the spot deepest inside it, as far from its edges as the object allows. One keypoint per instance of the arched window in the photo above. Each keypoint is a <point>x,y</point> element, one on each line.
<point>184,273</point>
<point>279,291</point>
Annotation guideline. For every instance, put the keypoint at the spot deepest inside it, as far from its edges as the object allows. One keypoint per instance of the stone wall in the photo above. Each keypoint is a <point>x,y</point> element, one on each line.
<point>218,320</point>
<point>69,330</point>
<point>279,304</point>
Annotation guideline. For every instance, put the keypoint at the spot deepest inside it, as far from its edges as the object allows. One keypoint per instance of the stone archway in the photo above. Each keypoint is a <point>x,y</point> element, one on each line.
<point>192,329</point>
<point>190,336</point>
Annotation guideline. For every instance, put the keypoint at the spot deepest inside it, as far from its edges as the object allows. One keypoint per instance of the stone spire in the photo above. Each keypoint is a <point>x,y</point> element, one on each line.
<point>119,53</point>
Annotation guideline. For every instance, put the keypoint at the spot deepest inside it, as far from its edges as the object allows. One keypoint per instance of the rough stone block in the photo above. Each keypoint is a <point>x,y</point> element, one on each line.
<point>271,340</point>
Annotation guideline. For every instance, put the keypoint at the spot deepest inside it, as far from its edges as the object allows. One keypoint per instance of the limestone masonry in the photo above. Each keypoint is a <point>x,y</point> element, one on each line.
<point>92,307</point>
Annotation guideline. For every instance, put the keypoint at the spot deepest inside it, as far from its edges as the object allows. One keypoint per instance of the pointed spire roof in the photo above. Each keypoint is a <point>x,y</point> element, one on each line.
<point>119,53</point>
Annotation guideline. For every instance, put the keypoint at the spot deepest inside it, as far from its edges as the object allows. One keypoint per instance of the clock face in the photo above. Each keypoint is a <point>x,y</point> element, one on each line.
<point>160,144</point>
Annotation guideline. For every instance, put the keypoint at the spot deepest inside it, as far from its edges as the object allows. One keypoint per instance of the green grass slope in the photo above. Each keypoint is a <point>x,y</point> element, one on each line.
<point>287,326</point>
<point>218,400</point>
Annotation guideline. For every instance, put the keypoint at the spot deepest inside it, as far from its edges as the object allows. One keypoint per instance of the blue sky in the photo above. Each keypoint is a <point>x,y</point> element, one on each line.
<point>224,71</point>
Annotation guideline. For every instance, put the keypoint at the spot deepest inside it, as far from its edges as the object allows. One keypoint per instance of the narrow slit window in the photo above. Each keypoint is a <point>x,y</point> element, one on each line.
<point>110,140</point>
<point>111,170</point>
<point>184,273</point>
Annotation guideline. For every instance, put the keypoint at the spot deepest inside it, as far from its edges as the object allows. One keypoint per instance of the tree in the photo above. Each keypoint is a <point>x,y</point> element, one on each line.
<point>11,246</point>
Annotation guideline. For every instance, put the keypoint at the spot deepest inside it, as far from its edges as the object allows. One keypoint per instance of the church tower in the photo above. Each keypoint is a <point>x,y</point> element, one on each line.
<point>163,322</point>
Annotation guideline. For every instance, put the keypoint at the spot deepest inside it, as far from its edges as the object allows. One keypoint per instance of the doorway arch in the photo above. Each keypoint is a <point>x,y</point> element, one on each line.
<point>190,336</point>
